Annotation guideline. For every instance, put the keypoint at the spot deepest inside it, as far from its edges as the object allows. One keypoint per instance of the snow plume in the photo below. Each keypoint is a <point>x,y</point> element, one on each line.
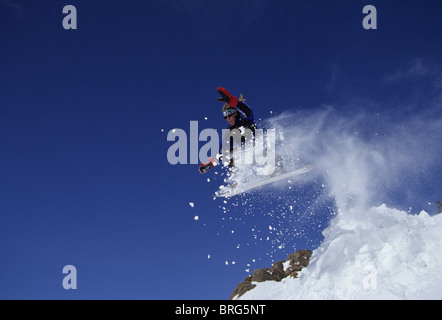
<point>361,160</point>
<point>364,159</point>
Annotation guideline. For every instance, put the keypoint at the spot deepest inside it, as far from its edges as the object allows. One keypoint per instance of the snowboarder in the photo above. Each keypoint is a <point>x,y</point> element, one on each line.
<point>439,207</point>
<point>238,115</point>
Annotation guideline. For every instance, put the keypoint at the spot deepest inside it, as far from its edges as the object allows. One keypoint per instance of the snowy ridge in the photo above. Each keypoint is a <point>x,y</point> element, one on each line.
<point>381,253</point>
<point>369,251</point>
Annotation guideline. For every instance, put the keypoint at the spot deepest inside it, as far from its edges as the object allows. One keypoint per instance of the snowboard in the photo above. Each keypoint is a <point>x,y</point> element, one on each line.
<point>228,192</point>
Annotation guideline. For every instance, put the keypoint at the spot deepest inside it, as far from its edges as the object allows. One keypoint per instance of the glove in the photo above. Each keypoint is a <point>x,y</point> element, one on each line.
<point>204,167</point>
<point>211,162</point>
<point>227,97</point>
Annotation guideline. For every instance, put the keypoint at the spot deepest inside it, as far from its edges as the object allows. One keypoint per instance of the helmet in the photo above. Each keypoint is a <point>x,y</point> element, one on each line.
<point>228,110</point>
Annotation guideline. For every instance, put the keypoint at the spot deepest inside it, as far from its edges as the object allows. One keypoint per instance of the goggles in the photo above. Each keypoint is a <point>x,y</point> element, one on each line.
<point>228,113</point>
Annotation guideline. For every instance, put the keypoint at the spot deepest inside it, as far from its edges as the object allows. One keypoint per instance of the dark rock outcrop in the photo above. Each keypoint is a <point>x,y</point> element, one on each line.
<point>294,263</point>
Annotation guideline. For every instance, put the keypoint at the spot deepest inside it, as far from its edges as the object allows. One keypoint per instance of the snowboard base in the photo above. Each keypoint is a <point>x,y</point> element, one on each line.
<point>228,192</point>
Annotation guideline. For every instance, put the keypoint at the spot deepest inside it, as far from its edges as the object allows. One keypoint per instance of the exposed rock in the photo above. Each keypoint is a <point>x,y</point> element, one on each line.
<point>243,287</point>
<point>294,263</point>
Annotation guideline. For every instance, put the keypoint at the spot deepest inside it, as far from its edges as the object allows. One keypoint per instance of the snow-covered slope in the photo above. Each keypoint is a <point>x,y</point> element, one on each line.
<point>364,160</point>
<point>381,253</point>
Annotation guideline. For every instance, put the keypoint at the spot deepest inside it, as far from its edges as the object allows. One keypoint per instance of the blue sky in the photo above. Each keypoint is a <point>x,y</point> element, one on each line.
<point>84,116</point>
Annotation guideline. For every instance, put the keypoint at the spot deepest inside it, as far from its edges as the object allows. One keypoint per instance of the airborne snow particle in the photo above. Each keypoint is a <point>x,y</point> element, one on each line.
<point>196,218</point>
<point>191,204</point>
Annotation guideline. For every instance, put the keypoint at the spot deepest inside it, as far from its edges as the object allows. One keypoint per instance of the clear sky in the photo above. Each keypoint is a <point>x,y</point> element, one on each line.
<point>84,116</point>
